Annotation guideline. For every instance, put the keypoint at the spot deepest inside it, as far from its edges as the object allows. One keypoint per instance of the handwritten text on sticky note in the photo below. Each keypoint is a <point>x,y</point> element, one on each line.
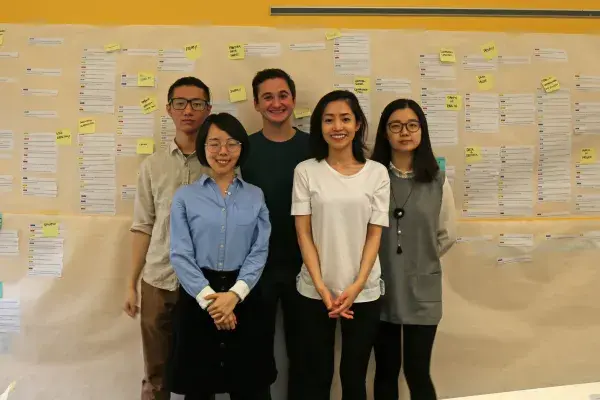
<point>447,56</point>
<point>193,51</point>
<point>588,155</point>
<point>301,112</point>
<point>112,47</point>
<point>485,82</point>
<point>148,104</point>
<point>472,154</point>
<point>489,50</point>
<point>550,84</point>
<point>63,137</point>
<point>362,85</point>
<point>237,93</point>
<point>87,125</point>
<point>50,229</point>
<point>333,34</point>
<point>453,102</point>
<point>145,79</point>
<point>145,146</point>
<point>237,51</point>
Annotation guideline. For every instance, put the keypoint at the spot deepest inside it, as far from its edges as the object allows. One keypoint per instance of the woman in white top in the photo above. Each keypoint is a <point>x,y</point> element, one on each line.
<point>340,202</point>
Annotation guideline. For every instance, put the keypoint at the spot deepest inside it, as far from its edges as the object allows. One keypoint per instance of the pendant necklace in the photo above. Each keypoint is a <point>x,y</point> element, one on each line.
<point>399,214</point>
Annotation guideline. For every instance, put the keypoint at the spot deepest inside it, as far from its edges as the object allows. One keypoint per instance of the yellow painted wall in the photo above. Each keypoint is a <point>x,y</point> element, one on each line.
<point>256,12</point>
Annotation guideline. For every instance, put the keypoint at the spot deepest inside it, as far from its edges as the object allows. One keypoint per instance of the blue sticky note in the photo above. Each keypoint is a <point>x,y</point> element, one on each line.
<point>1,290</point>
<point>441,162</point>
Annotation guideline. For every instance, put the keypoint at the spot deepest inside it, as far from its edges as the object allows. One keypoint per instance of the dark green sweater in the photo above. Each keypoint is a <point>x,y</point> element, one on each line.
<point>270,166</point>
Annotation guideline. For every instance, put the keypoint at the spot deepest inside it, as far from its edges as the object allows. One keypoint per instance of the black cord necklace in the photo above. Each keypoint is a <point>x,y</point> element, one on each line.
<point>399,214</point>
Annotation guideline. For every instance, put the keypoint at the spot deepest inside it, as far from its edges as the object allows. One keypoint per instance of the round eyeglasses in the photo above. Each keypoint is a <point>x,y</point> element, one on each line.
<point>411,126</point>
<point>179,103</point>
<point>231,145</point>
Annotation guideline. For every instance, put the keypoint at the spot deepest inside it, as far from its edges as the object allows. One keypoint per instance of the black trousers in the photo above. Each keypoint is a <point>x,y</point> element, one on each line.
<point>417,346</point>
<point>283,289</point>
<point>317,360</point>
<point>262,394</point>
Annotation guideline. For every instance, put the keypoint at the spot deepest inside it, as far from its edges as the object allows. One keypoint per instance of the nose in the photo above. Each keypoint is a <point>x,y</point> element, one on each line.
<point>223,149</point>
<point>188,109</point>
<point>337,125</point>
<point>276,102</point>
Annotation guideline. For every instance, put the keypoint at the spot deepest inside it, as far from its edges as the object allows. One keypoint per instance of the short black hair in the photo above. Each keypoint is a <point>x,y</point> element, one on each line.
<point>318,146</point>
<point>188,81</point>
<point>272,73</point>
<point>425,166</point>
<point>229,124</point>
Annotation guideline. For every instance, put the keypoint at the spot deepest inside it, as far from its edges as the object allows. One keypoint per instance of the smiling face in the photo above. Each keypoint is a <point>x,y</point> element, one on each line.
<point>275,102</point>
<point>188,119</point>
<point>404,130</point>
<point>222,151</point>
<point>339,125</point>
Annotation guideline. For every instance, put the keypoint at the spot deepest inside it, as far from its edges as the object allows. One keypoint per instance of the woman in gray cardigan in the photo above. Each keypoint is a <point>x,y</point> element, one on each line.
<point>422,229</point>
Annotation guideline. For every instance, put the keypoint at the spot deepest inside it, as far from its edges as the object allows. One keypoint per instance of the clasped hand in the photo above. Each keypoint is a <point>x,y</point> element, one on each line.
<point>340,306</point>
<point>221,309</point>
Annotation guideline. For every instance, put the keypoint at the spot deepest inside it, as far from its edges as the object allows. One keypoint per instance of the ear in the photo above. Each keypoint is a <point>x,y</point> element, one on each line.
<point>256,105</point>
<point>358,125</point>
<point>168,107</point>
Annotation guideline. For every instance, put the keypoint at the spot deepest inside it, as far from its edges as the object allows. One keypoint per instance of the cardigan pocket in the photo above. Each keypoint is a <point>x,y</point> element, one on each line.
<point>429,287</point>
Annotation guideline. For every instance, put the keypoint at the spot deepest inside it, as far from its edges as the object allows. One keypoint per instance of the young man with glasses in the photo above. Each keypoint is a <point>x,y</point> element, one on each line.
<point>276,150</point>
<point>161,174</point>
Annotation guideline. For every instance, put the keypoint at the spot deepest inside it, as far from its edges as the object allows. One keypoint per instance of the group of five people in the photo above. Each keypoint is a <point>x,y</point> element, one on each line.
<point>228,225</point>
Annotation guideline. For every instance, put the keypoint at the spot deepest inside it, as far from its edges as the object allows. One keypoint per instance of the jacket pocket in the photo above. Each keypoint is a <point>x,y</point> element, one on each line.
<point>428,287</point>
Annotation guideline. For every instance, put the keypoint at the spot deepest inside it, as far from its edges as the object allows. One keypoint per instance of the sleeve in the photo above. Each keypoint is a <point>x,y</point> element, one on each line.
<point>301,192</point>
<point>183,254</point>
<point>256,259</point>
<point>446,236</point>
<point>380,202</point>
<point>143,206</point>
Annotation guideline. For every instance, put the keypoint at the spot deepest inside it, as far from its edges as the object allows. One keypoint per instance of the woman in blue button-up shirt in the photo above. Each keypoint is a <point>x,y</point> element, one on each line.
<point>219,242</point>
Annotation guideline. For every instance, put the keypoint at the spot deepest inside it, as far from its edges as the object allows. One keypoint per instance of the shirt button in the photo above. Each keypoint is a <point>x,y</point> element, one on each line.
<point>220,264</point>
<point>222,345</point>
<point>222,210</point>
<point>222,246</point>
<point>222,364</point>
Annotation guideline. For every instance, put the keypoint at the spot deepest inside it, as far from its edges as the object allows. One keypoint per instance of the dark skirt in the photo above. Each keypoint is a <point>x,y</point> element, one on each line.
<point>205,360</point>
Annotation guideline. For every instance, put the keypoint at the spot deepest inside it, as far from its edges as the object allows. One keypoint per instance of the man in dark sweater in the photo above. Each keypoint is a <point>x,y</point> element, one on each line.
<point>275,152</point>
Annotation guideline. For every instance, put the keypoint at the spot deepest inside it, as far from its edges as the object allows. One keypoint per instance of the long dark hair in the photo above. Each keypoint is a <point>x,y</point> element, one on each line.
<point>425,166</point>
<point>318,146</point>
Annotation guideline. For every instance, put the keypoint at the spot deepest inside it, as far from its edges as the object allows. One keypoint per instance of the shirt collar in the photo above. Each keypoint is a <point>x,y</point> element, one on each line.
<point>174,148</point>
<point>236,180</point>
<point>399,173</point>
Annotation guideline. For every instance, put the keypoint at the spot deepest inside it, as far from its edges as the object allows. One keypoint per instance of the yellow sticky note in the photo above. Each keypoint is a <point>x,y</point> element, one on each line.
<point>550,84</point>
<point>333,34</point>
<point>472,154</point>
<point>145,79</point>
<point>485,82</point>
<point>453,102</point>
<point>112,47</point>
<point>447,56</point>
<point>193,51</point>
<point>237,93</point>
<point>302,112</point>
<point>362,85</point>
<point>2,36</point>
<point>148,104</point>
<point>588,155</point>
<point>489,50</point>
<point>145,146</point>
<point>87,125</point>
<point>237,51</point>
<point>10,388</point>
<point>63,137</point>
<point>50,229</point>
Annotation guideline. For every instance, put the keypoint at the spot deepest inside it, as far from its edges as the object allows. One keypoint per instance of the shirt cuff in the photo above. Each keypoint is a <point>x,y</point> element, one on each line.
<point>301,208</point>
<point>241,289</point>
<point>379,218</point>
<point>203,293</point>
<point>144,228</point>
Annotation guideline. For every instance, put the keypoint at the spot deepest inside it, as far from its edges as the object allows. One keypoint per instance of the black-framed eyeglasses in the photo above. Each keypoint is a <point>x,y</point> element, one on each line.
<point>397,126</point>
<point>179,103</point>
<point>231,145</point>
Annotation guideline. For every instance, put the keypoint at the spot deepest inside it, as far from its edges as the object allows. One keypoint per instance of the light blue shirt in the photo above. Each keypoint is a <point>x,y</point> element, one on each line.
<point>220,233</point>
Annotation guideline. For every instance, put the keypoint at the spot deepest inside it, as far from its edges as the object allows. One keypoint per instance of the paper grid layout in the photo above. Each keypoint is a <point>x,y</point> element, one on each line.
<point>97,82</point>
<point>97,173</point>
<point>45,254</point>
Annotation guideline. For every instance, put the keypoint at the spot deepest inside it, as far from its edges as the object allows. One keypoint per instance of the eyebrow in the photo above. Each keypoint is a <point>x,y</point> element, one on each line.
<point>343,115</point>
<point>410,120</point>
